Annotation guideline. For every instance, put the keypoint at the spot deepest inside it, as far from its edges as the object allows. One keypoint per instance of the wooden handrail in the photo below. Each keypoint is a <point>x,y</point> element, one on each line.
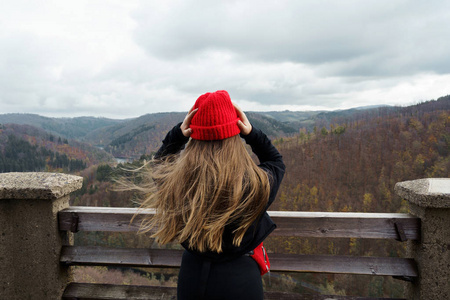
<point>300,224</point>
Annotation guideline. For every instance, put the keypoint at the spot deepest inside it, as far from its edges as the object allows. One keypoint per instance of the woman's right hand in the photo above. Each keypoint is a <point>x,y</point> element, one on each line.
<point>187,122</point>
<point>243,124</point>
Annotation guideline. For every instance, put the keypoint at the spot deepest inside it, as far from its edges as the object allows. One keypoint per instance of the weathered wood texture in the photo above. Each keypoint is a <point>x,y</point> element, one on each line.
<point>345,225</point>
<point>90,255</point>
<point>302,224</point>
<point>81,255</point>
<point>335,264</point>
<point>89,291</point>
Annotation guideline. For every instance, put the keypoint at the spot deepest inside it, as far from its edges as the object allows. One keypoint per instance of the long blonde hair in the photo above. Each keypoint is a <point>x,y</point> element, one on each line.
<point>210,185</point>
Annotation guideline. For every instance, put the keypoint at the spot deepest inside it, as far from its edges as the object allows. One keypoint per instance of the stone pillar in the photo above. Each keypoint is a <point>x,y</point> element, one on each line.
<point>429,199</point>
<point>30,242</point>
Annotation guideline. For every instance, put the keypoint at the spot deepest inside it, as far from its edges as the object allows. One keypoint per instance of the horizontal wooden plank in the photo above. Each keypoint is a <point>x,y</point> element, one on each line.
<point>302,224</point>
<point>90,291</point>
<point>393,266</point>
<point>345,225</point>
<point>116,219</point>
<point>362,265</point>
<point>89,255</point>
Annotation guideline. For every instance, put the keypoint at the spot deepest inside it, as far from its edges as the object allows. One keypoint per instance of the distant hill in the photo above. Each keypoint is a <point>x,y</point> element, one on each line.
<point>309,119</point>
<point>143,135</point>
<point>320,119</point>
<point>292,119</point>
<point>71,128</point>
<point>133,137</point>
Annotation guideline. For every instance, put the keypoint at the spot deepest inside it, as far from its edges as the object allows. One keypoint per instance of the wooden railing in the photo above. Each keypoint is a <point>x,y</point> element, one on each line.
<point>400,227</point>
<point>37,226</point>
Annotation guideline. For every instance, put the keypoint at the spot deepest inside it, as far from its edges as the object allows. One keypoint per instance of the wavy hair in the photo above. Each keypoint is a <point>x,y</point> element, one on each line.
<point>195,194</point>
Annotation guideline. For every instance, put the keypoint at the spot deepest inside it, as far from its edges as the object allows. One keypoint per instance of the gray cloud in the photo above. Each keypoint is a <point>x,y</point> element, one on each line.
<point>394,37</point>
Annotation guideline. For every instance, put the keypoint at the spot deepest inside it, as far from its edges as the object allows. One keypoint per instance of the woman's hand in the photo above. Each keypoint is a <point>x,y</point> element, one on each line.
<point>243,124</point>
<point>187,121</point>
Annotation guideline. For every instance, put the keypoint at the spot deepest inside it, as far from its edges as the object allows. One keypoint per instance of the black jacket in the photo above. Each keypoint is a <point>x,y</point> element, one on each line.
<point>270,161</point>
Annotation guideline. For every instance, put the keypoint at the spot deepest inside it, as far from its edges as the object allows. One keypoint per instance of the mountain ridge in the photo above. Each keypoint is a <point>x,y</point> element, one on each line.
<point>142,135</point>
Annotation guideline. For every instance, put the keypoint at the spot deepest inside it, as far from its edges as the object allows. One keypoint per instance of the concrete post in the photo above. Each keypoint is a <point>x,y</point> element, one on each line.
<point>429,199</point>
<point>30,242</point>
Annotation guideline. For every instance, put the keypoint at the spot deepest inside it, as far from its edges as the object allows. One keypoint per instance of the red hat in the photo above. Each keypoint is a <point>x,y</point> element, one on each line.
<point>216,118</point>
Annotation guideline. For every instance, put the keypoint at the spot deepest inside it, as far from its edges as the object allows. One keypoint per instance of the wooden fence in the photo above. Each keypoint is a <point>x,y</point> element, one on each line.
<point>401,227</point>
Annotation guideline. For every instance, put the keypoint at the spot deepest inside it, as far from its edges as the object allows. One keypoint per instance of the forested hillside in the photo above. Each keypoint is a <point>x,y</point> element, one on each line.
<point>26,148</point>
<point>354,165</point>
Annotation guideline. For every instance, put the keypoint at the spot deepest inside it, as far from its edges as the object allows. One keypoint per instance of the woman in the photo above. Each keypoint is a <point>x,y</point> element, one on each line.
<point>212,198</point>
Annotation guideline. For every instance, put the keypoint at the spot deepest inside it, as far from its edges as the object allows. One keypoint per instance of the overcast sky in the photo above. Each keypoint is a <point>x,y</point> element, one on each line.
<point>124,59</point>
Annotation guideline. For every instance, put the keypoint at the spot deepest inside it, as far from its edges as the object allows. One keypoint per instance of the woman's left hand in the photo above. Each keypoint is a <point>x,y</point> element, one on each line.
<point>244,124</point>
<point>187,121</point>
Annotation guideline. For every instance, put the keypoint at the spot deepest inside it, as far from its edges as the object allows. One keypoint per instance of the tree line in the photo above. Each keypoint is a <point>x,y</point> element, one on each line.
<point>19,155</point>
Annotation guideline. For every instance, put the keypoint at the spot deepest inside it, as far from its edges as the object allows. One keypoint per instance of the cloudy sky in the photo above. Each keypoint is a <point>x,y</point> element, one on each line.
<point>123,59</point>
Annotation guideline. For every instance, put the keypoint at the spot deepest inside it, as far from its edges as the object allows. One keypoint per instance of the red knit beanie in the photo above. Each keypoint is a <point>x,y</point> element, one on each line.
<point>216,118</point>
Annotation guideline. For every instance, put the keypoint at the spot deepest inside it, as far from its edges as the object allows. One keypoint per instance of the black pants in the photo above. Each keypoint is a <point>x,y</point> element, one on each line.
<point>232,280</point>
